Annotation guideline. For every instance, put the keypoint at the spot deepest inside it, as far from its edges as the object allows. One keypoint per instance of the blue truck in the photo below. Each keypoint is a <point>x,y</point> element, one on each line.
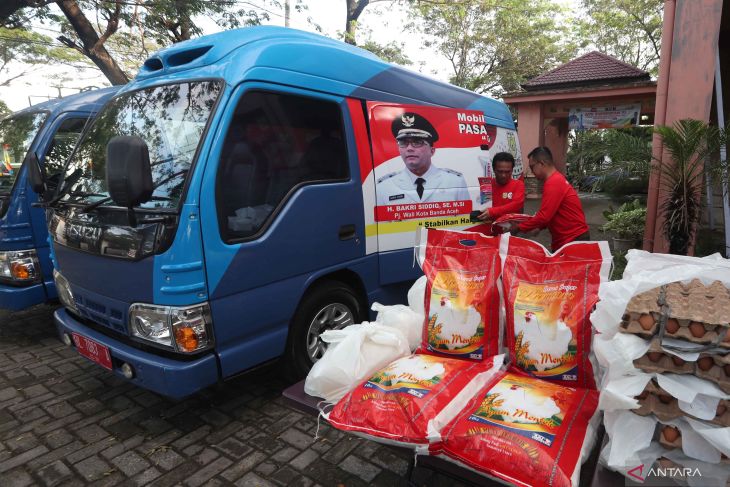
<point>49,131</point>
<point>241,195</point>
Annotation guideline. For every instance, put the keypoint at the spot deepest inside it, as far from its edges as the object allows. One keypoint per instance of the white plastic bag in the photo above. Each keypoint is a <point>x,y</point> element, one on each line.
<point>416,295</point>
<point>354,353</point>
<point>403,318</point>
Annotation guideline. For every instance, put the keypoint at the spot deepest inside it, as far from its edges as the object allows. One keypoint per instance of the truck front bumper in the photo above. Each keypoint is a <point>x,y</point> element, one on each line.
<point>17,298</point>
<point>172,378</point>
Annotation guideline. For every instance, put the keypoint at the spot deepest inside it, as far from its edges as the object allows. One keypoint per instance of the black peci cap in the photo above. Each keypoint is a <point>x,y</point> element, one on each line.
<point>413,125</point>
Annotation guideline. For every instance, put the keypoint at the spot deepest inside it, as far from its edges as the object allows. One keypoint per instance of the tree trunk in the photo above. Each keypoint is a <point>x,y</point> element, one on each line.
<point>354,9</point>
<point>93,45</point>
<point>184,13</point>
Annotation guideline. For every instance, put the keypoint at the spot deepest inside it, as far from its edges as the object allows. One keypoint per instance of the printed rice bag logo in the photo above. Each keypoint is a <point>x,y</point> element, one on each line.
<point>532,410</point>
<point>415,375</point>
<point>455,322</point>
<point>545,328</point>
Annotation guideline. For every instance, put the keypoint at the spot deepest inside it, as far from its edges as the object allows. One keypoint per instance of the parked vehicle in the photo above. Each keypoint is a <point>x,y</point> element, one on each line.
<point>228,208</point>
<point>48,132</point>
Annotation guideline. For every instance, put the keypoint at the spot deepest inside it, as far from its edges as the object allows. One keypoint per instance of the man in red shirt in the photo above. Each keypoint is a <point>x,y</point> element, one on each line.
<point>560,210</point>
<point>508,195</point>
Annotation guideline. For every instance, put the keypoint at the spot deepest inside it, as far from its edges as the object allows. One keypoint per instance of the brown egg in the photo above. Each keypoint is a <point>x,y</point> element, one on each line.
<point>646,321</point>
<point>677,360</point>
<point>721,408</point>
<point>665,398</point>
<point>654,356</point>
<point>705,363</point>
<point>697,329</point>
<point>672,325</point>
<point>670,433</point>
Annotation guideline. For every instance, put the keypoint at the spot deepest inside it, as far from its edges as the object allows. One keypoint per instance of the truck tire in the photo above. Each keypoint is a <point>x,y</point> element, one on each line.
<point>328,306</point>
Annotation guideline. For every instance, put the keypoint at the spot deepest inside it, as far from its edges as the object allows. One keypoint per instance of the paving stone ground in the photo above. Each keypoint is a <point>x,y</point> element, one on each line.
<point>67,422</point>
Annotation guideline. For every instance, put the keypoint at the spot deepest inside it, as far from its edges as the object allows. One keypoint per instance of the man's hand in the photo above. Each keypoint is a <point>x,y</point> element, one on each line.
<point>484,216</point>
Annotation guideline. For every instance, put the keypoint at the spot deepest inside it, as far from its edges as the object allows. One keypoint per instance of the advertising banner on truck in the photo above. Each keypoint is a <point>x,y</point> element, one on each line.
<point>432,168</point>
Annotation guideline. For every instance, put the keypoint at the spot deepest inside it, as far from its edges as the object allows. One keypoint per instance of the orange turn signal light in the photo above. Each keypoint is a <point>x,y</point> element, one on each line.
<point>20,271</point>
<point>186,338</point>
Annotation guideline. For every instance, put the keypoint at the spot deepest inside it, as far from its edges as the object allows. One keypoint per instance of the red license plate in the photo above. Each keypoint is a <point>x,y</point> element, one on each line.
<point>93,351</point>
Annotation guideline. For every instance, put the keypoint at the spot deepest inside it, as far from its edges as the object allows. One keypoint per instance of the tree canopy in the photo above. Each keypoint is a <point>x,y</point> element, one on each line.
<point>28,51</point>
<point>494,46</point>
<point>491,46</point>
<point>629,30</point>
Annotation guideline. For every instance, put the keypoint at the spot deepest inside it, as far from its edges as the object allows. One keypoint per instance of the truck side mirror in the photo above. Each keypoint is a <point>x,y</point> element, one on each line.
<point>128,173</point>
<point>35,174</point>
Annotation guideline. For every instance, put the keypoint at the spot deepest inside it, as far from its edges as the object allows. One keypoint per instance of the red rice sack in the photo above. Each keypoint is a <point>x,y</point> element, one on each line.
<point>412,399</point>
<point>524,431</point>
<point>548,300</point>
<point>462,298</point>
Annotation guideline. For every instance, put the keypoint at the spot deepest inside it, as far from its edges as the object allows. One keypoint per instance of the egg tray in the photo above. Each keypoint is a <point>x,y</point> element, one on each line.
<point>676,443</point>
<point>632,323</point>
<point>657,361</point>
<point>698,302</point>
<point>719,373</point>
<point>709,336</point>
<point>681,311</point>
<point>655,400</point>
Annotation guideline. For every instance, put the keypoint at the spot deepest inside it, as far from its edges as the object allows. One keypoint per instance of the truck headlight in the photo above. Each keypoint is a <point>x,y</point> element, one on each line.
<point>64,291</point>
<point>183,329</point>
<point>20,266</point>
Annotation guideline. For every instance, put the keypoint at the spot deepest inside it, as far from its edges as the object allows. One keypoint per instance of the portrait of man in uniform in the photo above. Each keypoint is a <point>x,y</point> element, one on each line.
<point>419,181</point>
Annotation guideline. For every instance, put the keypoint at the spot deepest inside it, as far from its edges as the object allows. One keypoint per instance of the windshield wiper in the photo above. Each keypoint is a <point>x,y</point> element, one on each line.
<point>69,182</point>
<point>102,201</point>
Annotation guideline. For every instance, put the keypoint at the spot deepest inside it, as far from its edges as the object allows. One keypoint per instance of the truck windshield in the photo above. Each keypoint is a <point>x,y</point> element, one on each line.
<point>170,118</point>
<point>16,136</point>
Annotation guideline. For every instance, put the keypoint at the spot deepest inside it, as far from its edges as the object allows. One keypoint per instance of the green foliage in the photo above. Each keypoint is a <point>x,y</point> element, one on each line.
<point>28,49</point>
<point>693,146</point>
<point>391,52</point>
<point>628,206</point>
<point>627,224</point>
<point>495,46</point>
<point>619,264</point>
<point>620,159</point>
<point>629,30</point>
<point>131,30</point>
<point>4,110</point>
<point>586,155</point>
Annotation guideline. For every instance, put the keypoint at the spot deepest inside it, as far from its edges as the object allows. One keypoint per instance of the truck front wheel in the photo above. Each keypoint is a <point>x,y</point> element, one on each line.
<point>329,306</point>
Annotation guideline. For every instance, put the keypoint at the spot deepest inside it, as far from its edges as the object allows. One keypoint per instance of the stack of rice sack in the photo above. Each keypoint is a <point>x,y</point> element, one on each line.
<point>666,388</point>
<point>409,401</point>
<point>532,423</point>
<point>535,424</point>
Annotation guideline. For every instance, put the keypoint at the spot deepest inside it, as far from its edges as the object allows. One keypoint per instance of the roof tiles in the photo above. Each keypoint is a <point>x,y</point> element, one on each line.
<point>587,69</point>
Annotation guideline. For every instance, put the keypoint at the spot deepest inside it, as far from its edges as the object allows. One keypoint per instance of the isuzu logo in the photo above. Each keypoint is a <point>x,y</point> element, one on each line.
<point>84,235</point>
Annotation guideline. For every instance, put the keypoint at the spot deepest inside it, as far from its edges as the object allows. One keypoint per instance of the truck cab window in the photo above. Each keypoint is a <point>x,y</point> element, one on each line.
<point>63,144</point>
<point>276,143</point>
<point>16,136</point>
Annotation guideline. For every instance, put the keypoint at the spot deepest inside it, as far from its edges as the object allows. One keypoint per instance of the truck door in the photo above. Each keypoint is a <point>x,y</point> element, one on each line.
<point>54,151</point>
<point>283,204</point>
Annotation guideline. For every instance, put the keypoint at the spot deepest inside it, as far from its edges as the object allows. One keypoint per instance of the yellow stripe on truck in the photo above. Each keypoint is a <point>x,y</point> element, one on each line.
<point>409,226</point>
